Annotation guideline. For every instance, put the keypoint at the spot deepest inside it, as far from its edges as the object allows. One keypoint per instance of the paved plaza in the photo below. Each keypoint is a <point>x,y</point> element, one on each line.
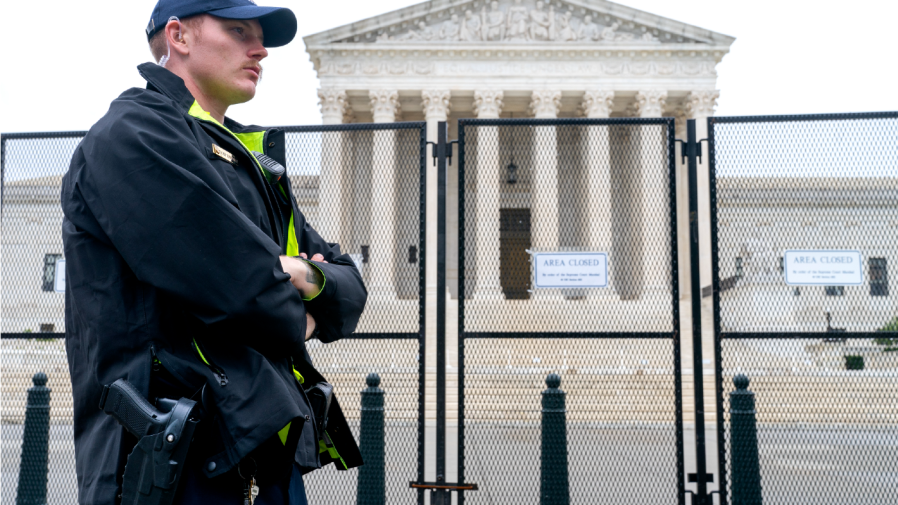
<point>799,465</point>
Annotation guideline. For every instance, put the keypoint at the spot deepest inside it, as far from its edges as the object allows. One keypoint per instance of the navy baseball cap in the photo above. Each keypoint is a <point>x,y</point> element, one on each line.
<point>278,23</point>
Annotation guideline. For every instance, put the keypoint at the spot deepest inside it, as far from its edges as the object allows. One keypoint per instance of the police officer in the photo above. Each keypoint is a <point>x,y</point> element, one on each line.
<point>192,273</point>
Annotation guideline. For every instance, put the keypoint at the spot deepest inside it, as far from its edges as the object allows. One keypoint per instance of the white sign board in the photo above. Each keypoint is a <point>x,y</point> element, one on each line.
<point>570,270</point>
<point>823,268</point>
<point>59,277</point>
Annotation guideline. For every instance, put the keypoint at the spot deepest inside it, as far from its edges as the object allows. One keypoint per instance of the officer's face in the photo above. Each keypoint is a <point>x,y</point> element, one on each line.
<point>225,59</point>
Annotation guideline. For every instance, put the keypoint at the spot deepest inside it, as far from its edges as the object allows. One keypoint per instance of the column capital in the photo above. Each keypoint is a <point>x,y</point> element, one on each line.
<point>680,118</point>
<point>384,105</point>
<point>597,103</point>
<point>701,103</point>
<point>435,103</point>
<point>545,104</point>
<point>334,105</point>
<point>651,103</point>
<point>488,103</point>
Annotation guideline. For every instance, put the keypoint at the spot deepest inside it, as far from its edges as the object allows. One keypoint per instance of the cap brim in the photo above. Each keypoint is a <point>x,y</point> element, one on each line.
<point>278,23</point>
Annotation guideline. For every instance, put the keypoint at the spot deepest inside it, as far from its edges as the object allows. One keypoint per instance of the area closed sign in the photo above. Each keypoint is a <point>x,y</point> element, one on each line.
<point>570,270</point>
<point>823,268</point>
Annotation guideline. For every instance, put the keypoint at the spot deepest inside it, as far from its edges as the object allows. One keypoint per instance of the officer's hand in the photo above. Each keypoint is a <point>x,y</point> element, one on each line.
<point>310,326</point>
<point>317,257</point>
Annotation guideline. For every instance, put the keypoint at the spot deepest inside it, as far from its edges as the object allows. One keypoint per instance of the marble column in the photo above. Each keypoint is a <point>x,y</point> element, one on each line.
<point>487,286</point>
<point>597,153</point>
<point>545,104</point>
<point>334,106</point>
<point>382,261</point>
<point>544,226</point>
<point>435,104</point>
<point>699,106</point>
<point>656,254</point>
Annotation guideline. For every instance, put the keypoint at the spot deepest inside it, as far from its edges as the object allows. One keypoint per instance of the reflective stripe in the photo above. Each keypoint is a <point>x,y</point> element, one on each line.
<point>292,243</point>
<point>327,445</point>
<point>197,347</point>
<point>283,433</point>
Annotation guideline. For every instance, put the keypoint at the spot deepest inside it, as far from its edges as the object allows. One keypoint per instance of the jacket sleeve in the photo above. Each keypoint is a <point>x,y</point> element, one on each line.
<point>339,305</point>
<point>150,186</point>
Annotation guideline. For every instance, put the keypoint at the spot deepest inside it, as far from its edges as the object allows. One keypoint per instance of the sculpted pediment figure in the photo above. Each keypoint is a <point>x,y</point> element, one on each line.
<point>470,28</point>
<point>517,22</point>
<point>493,23</point>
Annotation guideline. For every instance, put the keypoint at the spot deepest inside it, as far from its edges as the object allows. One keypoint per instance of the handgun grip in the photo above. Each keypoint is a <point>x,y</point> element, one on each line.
<point>122,401</point>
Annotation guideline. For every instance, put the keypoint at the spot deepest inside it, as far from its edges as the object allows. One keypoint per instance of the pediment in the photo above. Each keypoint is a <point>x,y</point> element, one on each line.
<point>516,22</point>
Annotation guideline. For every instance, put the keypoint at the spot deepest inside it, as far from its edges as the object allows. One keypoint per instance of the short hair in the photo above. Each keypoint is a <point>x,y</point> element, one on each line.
<point>159,48</point>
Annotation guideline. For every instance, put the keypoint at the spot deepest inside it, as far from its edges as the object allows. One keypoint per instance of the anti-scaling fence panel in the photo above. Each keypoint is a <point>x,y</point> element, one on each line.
<point>603,193</point>
<point>359,185</point>
<point>363,186</point>
<point>804,232</point>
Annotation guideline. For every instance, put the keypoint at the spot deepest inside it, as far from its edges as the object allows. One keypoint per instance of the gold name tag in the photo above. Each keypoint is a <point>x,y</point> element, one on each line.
<point>221,153</point>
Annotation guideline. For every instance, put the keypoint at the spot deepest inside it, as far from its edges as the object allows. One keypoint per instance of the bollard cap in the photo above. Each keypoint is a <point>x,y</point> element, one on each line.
<point>741,382</point>
<point>373,380</point>
<point>39,379</point>
<point>553,380</point>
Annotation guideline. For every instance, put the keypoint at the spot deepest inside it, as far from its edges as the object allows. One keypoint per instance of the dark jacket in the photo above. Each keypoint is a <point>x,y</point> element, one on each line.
<point>164,247</point>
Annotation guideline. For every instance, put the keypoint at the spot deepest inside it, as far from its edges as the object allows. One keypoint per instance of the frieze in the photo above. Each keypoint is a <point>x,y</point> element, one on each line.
<point>518,21</point>
<point>638,68</point>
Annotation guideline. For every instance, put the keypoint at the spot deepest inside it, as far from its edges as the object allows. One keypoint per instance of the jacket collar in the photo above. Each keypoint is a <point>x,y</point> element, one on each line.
<point>172,86</point>
<point>167,83</point>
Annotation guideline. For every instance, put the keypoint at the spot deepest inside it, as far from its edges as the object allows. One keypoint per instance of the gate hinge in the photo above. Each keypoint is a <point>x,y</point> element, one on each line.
<point>687,150</point>
<point>435,151</point>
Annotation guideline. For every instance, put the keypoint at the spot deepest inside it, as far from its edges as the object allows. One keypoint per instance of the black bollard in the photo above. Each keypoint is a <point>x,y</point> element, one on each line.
<point>553,481</point>
<point>744,460</point>
<point>371,485</point>
<point>32,488</point>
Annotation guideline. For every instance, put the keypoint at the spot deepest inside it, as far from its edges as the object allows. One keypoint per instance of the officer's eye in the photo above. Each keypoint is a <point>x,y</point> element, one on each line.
<point>239,31</point>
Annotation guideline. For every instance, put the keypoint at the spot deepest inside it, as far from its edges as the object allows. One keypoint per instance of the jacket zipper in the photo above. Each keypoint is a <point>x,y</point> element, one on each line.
<point>217,371</point>
<point>156,362</point>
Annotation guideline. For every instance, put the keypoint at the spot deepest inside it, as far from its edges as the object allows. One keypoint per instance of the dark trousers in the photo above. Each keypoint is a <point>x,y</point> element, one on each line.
<point>228,489</point>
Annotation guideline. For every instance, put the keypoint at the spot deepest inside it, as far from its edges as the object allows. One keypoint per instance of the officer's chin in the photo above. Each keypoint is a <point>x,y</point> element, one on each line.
<point>243,95</point>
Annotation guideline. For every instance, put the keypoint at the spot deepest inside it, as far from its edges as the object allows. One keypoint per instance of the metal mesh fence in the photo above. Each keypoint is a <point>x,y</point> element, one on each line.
<point>568,257</point>
<point>804,219</point>
<point>359,185</point>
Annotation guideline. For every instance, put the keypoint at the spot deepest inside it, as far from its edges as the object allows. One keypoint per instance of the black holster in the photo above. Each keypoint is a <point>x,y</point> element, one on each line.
<point>320,396</point>
<point>155,465</point>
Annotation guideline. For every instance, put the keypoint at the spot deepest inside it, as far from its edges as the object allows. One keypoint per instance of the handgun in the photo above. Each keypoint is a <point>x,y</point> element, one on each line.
<point>154,466</point>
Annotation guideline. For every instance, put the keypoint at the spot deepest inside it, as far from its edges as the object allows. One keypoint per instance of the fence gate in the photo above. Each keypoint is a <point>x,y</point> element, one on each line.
<point>804,233</point>
<point>568,265</point>
<point>362,184</point>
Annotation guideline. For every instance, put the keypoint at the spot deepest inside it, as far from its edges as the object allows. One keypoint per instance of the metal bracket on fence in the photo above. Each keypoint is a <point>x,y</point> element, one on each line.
<point>685,149</point>
<point>449,150</point>
<point>442,486</point>
<point>433,151</point>
<point>693,477</point>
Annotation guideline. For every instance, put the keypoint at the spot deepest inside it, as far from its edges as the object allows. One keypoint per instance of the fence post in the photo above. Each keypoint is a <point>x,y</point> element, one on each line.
<point>32,486</point>
<point>744,459</point>
<point>553,484</point>
<point>371,487</point>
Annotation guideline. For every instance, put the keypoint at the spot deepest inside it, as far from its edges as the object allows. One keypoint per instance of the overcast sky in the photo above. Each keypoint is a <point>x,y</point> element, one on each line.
<point>66,60</point>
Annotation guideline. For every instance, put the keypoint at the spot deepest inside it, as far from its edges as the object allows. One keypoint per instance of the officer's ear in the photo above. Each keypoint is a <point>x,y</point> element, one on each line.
<point>176,37</point>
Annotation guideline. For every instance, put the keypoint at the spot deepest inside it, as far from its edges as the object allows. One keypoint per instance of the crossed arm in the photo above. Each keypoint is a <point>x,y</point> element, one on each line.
<point>306,279</point>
